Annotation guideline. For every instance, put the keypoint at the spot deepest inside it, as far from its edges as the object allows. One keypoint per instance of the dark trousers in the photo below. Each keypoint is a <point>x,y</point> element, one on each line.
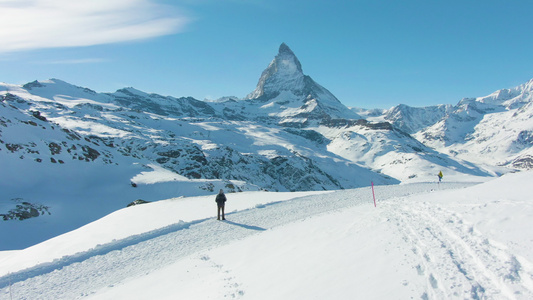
<point>220,208</point>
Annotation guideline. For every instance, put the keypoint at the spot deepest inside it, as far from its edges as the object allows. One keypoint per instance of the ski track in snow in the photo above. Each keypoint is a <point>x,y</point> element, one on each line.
<point>457,261</point>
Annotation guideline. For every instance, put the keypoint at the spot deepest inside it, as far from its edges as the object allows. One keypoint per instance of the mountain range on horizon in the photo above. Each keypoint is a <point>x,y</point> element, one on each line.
<point>73,149</point>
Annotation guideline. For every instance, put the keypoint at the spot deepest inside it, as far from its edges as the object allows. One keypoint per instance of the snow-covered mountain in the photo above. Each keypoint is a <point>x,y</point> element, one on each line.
<point>79,154</point>
<point>495,130</point>
<point>413,119</point>
<point>284,91</point>
<point>390,151</point>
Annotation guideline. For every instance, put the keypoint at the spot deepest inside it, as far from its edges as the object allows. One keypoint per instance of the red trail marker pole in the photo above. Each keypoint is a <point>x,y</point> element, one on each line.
<point>373,194</point>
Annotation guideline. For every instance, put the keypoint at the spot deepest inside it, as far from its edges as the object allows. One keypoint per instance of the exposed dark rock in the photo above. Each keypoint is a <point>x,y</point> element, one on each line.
<point>309,134</point>
<point>33,84</point>
<point>54,148</point>
<point>137,202</point>
<point>37,114</point>
<point>24,210</point>
<point>14,147</point>
<point>525,162</point>
<point>90,153</point>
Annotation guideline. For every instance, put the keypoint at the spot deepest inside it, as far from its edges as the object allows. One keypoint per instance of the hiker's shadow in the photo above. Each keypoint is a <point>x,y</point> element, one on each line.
<point>251,227</point>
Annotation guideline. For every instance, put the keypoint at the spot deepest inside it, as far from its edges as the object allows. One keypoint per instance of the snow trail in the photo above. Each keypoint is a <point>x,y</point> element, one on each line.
<point>85,273</point>
<point>457,260</point>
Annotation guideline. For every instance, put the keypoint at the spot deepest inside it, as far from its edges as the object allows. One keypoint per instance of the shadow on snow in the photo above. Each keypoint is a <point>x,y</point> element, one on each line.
<point>251,227</point>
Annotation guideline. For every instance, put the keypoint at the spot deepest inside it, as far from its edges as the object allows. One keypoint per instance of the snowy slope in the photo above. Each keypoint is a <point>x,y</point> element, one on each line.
<point>384,148</point>
<point>424,241</point>
<point>79,153</point>
<point>194,140</point>
<point>78,157</point>
<point>494,130</point>
<point>390,151</point>
<point>413,119</point>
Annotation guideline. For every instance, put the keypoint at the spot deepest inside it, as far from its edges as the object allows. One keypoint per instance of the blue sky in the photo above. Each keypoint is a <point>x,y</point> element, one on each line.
<point>371,54</point>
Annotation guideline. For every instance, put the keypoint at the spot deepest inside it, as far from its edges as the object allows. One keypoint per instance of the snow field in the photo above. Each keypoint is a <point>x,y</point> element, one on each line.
<point>424,241</point>
<point>133,223</point>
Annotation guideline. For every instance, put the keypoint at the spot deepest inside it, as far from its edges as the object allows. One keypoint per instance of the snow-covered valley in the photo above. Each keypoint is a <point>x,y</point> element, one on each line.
<point>422,240</point>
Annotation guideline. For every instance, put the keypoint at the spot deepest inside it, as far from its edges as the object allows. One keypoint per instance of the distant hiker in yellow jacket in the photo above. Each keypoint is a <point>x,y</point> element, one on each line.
<point>440,176</point>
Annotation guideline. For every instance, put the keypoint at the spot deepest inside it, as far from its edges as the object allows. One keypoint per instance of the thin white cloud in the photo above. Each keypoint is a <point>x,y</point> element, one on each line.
<point>35,24</point>
<point>73,61</point>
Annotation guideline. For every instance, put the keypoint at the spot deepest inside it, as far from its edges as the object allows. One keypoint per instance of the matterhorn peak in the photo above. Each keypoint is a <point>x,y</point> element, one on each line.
<point>284,73</point>
<point>285,49</point>
<point>286,88</point>
<point>286,58</point>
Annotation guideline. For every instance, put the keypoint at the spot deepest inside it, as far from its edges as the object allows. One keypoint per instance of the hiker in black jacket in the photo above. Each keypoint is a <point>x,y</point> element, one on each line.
<point>220,200</point>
